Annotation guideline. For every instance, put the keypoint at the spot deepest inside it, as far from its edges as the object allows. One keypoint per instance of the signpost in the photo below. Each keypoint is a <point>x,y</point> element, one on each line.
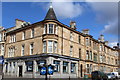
<point>43,71</point>
<point>47,69</point>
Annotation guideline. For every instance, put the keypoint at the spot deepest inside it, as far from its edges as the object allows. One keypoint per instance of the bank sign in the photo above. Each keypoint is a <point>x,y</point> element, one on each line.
<point>1,59</point>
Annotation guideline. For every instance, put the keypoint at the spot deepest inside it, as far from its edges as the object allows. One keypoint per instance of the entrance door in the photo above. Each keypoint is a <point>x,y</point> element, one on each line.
<point>81,70</point>
<point>20,71</point>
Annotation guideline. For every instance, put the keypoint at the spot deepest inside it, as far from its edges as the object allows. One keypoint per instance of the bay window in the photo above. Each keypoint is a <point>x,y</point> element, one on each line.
<point>55,46</point>
<point>45,29</point>
<point>44,47</point>
<point>50,46</point>
<point>51,29</point>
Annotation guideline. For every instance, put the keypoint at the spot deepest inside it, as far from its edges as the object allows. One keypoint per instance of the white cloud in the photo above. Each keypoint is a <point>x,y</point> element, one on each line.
<point>113,44</point>
<point>111,28</point>
<point>67,9</point>
<point>106,13</point>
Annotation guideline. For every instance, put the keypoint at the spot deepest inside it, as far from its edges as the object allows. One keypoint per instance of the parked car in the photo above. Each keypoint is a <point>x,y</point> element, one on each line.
<point>98,75</point>
<point>111,76</point>
<point>116,74</point>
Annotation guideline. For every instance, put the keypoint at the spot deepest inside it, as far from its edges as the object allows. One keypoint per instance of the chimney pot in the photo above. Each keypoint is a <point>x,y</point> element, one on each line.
<point>85,31</point>
<point>102,38</point>
<point>73,25</point>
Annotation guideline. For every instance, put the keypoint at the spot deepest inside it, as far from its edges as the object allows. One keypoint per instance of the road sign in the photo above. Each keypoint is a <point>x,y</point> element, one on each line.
<point>50,70</point>
<point>1,59</point>
<point>43,70</point>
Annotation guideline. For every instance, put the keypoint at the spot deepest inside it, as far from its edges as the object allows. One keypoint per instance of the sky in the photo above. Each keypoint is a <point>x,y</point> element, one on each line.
<point>98,17</point>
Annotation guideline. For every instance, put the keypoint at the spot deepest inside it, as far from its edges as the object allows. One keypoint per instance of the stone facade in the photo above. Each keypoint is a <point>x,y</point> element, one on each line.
<point>73,53</point>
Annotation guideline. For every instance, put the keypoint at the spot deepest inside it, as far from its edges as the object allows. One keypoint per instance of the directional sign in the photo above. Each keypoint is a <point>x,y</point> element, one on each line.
<point>1,59</point>
<point>43,71</point>
<point>50,70</point>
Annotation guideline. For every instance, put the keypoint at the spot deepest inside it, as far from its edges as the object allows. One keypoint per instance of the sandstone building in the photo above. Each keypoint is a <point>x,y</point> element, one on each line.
<point>74,54</point>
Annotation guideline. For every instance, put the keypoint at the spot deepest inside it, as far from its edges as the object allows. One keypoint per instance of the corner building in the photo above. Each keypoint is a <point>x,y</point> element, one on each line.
<point>73,53</point>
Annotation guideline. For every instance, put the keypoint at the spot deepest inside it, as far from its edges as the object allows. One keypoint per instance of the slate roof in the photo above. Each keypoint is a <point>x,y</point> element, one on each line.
<point>50,15</point>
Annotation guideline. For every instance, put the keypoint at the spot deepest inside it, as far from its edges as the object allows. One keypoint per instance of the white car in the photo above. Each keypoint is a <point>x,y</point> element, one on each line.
<point>111,76</point>
<point>116,74</point>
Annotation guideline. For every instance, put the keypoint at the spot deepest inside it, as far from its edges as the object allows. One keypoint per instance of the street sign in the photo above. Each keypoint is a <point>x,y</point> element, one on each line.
<point>43,70</point>
<point>1,59</point>
<point>50,70</point>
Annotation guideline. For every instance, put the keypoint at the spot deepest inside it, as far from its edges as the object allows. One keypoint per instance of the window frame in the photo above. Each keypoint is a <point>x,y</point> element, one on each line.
<point>50,29</point>
<point>32,33</point>
<point>31,48</point>
<point>50,46</point>
<point>57,65</point>
<point>66,67</point>
<point>23,50</point>
<point>30,65</point>
<point>74,67</point>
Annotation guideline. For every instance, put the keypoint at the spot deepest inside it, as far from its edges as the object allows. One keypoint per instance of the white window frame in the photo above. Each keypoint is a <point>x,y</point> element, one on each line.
<point>49,29</point>
<point>55,46</point>
<point>31,48</point>
<point>87,41</point>
<point>56,30</point>
<point>23,35</point>
<point>44,46</point>
<point>23,50</point>
<point>45,28</point>
<point>50,46</point>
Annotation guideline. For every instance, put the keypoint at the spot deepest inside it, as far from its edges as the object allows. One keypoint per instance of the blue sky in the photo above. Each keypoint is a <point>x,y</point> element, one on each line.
<point>96,16</point>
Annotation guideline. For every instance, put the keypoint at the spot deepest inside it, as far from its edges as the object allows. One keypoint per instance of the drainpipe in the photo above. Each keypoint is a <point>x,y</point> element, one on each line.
<point>62,42</point>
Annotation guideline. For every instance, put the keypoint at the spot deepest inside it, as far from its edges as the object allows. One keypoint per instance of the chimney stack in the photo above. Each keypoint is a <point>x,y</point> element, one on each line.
<point>85,31</point>
<point>118,45</point>
<point>102,38</point>
<point>19,23</point>
<point>106,43</point>
<point>73,25</point>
